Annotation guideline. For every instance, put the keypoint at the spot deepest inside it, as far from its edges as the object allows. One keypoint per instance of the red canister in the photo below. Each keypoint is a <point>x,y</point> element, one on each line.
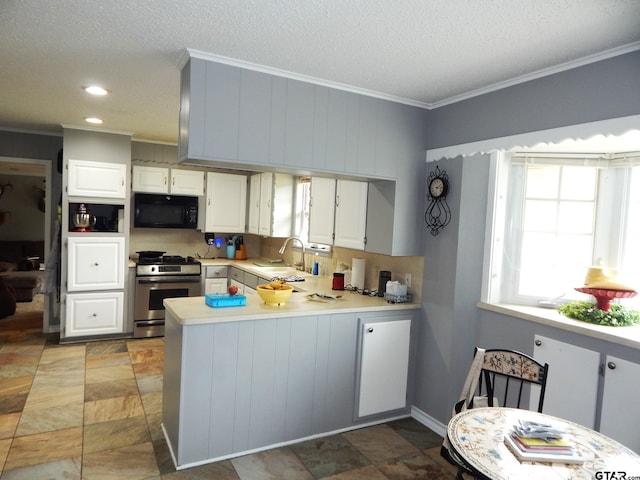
<point>338,281</point>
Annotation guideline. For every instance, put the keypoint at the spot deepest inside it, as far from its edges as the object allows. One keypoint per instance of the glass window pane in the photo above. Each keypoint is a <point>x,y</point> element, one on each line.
<point>578,183</point>
<point>553,265</point>
<point>542,181</point>
<point>575,217</point>
<point>540,215</point>
<point>629,271</point>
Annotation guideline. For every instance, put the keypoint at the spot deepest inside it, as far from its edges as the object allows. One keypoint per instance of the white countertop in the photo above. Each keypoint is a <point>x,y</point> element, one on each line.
<point>194,310</point>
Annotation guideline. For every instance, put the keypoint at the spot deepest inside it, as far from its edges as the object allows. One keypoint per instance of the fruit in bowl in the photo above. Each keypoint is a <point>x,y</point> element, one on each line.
<point>275,293</point>
<point>232,290</point>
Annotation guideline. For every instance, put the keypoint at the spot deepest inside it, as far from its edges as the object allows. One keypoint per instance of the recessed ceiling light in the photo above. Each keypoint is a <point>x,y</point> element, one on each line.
<point>96,90</point>
<point>94,120</point>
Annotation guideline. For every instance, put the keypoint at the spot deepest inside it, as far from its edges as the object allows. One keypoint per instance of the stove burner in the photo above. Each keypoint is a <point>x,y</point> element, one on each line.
<point>167,260</point>
<point>167,265</point>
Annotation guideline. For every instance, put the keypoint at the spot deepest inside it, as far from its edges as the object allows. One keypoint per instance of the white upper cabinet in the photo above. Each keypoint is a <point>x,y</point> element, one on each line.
<point>186,182</point>
<point>150,179</point>
<point>226,203</point>
<point>254,204</point>
<point>351,214</point>
<point>96,179</point>
<point>322,210</point>
<point>271,204</point>
<point>164,180</point>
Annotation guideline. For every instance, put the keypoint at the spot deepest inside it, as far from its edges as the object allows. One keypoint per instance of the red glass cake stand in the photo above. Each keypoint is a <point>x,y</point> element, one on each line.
<point>604,296</point>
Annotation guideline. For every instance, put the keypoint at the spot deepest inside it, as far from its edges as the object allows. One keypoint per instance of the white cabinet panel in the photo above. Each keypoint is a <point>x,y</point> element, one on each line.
<point>150,179</point>
<point>164,180</point>
<point>96,179</point>
<point>620,414</point>
<point>226,202</point>
<point>94,313</point>
<point>351,214</point>
<point>384,367</point>
<point>271,204</point>
<point>572,384</point>
<point>95,263</point>
<point>215,285</point>
<point>254,204</point>
<point>186,182</point>
<point>322,210</point>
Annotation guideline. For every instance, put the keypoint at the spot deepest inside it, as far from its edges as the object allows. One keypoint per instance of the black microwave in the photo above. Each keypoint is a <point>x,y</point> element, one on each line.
<point>165,211</point>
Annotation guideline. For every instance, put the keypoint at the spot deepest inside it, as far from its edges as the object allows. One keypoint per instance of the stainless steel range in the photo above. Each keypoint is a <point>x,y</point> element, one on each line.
<point>157,278</point>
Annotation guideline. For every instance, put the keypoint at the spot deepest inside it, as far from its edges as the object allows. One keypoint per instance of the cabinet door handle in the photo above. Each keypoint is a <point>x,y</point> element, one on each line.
<point>611,365</point>
<point>96,264</point>
<point>337,200</point>
<point>370,329</point>
<point>538,343</point>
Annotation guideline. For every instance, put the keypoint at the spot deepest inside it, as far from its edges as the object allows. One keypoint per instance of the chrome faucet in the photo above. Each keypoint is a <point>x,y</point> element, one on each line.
<point>300,265</point>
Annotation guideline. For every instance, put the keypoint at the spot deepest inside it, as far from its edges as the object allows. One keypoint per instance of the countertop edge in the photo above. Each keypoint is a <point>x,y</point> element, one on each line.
<point>627,336</point>
<point>194,311</point>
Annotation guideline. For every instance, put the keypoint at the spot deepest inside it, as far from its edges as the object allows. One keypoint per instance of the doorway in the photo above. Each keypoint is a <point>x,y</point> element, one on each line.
<point>25,208</point>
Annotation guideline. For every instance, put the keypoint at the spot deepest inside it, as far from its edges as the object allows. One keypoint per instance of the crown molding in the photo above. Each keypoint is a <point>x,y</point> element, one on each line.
<point>189,53</point>
<point>545,72</point>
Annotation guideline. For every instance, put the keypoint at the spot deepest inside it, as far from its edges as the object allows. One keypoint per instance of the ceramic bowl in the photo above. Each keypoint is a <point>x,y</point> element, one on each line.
<point>275,297</point>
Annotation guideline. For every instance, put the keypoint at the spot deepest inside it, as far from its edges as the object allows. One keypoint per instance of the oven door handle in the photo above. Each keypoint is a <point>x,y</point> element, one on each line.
<point>146,281</point>
<point>148,323</point>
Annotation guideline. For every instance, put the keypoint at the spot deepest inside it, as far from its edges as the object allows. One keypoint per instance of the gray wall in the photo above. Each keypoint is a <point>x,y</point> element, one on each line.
<point>452,283</point>
<point>598,91</point>
<point>451,325</point>
<point>26,221</point>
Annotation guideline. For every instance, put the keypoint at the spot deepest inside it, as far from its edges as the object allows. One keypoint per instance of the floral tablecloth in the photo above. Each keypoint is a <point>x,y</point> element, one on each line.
<point>478,436</point>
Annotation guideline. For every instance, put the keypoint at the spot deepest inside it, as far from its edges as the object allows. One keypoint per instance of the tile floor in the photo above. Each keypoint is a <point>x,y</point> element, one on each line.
<point>93,411</point>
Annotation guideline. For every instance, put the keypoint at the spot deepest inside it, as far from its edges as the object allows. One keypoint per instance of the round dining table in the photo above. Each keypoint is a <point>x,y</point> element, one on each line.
<point>478,437</point>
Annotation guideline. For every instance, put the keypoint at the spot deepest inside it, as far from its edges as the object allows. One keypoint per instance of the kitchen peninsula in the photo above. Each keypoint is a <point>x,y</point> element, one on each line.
<point>248,378</point>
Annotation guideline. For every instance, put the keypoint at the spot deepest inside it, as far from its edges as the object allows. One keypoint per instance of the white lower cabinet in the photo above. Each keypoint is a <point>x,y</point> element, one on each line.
<point>574,379</point>
<point>215,285</point>
<point>572,382</point>
<point>95,263</point>
<point>384,365</point>
<point>96,313</point>
<point>619,414</point>
<point>95,285</point>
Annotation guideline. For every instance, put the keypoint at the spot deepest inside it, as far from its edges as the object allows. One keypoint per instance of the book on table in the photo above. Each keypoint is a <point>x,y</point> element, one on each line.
<point>555,450</point>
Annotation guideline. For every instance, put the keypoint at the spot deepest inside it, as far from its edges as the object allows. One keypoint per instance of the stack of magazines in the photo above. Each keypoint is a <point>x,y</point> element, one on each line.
<point>537,442</point>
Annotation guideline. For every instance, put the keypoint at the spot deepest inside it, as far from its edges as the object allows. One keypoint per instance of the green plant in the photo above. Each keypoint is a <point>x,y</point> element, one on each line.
<point>618,316</point>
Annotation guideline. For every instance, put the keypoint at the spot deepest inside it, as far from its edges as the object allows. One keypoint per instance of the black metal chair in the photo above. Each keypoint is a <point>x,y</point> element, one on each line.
<point>504,377</point>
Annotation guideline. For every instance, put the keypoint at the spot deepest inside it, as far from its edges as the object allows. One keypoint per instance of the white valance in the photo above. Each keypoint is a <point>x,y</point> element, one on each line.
<point>583,131</point>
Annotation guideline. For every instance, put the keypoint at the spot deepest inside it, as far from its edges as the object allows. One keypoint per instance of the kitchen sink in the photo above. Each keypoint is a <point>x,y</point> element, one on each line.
<point>280,272</point>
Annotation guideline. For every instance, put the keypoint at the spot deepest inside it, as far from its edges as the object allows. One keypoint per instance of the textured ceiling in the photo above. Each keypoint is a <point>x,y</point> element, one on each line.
<point>427,52</point>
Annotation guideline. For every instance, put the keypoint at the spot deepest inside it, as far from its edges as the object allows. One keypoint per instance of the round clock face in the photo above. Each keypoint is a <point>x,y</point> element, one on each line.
<point>437,187</point>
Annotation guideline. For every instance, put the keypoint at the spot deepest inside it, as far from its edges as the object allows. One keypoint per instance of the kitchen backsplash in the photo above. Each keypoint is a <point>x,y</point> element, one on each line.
<point>184,242</point>
<point>342,257</point>
<point>192,243</point>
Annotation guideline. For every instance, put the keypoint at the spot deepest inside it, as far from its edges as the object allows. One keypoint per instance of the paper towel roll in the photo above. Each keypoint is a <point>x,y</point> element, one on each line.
<point>357,269</point>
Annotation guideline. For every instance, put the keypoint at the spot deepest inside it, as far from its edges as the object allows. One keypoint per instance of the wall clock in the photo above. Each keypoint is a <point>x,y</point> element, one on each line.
<point>438,214</point>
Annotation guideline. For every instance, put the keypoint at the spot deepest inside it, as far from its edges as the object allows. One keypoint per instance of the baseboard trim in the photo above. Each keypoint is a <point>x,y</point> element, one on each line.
<point>428,421</point>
